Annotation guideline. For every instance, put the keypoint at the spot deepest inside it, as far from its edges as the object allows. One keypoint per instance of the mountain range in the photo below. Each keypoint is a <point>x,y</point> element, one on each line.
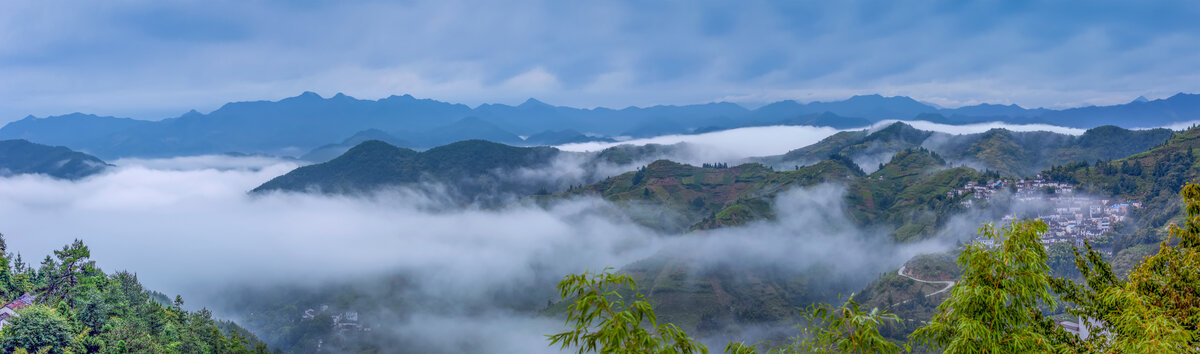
<point>299,125</point>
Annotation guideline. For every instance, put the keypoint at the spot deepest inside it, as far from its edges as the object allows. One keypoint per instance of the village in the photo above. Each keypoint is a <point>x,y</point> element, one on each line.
<point>1070,217</point>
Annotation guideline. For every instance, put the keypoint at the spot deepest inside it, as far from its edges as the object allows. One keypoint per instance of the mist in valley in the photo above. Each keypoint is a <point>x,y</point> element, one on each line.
<point>424,271</point>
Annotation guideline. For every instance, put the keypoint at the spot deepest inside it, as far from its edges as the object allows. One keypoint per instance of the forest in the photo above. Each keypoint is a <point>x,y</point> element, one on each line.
<point>77,308</point>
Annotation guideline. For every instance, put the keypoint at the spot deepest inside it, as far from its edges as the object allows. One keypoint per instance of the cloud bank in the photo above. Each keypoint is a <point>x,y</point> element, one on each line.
<point>739,144</point>
<point>187,227</point>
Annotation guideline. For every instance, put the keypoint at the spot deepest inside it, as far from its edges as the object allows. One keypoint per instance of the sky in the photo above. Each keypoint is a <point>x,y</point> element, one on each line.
<point>155,59</point>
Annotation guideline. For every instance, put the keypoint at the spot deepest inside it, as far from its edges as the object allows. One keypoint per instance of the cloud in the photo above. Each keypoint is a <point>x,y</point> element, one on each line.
<point>727,145</point>
<point>979,127</point>
<point>186,226</point>
<point>158,59</point>
<point>736,145</point>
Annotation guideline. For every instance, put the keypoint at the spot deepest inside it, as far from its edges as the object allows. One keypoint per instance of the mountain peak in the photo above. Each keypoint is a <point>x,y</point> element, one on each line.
<point>880,98</point>
<point>532,102</point>
<point>1140,99</point>
<point>308,95</point>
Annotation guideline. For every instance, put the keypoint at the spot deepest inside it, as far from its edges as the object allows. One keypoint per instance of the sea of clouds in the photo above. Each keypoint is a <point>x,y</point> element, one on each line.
<point>187,226</point>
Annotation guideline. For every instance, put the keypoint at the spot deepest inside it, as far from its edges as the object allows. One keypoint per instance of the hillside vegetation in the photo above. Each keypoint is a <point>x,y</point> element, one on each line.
<point>688,197</point>
<point>1006,152</point>
<point>77,308</point>
<point>467,167</point>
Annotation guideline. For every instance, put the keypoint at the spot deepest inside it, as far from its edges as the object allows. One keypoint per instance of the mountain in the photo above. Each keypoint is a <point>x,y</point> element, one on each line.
<point>79,131</point>
<point>560,137</point>
<point>297,125</point>
<point>464,129</point>
<point>331,151</point>
<point>689,197</point>
<point>1179,108</point>
<point>468,168</point>
<point>994,110</point>
<point>23,157</point>
<point>908,194</point>
<point>1007,152</point>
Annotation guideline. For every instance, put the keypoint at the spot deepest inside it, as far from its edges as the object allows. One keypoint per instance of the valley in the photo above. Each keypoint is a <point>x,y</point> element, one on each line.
<point>916,202</point>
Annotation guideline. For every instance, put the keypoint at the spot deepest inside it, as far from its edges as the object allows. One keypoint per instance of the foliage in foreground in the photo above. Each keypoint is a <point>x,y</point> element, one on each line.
<point>845,329</point>
<point>997,306</point>
<point>80,309</point>
<point>603,322</point>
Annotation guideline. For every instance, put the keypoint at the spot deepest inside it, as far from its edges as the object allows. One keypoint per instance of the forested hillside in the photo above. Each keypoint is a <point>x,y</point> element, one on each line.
<point>467,167</point>
<point>1009,153</point>
<point>1006,299</point>
<point>77,308</point>
<point>688,197</point>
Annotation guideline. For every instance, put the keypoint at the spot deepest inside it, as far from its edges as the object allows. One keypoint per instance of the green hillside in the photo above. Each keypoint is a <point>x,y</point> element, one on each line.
<point>68,305</point>
<point>908,194</point>
<point>1007,152</point>
<point>687,197</point>
<point>373,164</point>
<point>1153,177</point>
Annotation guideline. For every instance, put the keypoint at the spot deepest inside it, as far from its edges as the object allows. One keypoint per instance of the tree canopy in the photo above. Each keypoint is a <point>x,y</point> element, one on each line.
<point>80,309</point>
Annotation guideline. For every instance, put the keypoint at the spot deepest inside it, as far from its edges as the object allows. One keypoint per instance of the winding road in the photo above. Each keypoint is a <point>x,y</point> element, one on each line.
<point>949,284</point>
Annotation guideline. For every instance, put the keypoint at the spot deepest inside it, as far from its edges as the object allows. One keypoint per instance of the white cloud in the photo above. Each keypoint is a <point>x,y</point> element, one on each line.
<point>727,145</point>
<point>981,127</point>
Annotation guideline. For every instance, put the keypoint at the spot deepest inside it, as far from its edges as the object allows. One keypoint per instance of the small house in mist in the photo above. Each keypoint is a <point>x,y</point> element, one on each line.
<point>10,310</point>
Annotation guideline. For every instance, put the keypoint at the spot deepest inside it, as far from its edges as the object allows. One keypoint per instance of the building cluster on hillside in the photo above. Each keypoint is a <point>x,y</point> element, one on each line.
<point>342,321</point>
<point>1070,217</point>
<point>9,311</point>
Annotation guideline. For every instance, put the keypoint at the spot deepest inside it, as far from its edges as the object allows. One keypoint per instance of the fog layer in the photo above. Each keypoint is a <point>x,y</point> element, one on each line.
<point>186,226</point>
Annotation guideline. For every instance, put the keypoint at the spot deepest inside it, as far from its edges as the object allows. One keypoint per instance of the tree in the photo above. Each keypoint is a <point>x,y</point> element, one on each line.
<point>996,305</point>
<point>602,322</point>
<point>1158,308</point>
<point>93,312</point>
<point>73,263</point>
<point>37,328</point>
<point>1060,257</point>
<point>845,329</point>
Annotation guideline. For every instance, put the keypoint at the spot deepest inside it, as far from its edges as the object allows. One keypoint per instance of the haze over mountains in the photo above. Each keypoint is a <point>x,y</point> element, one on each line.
<point>684,229</point>
<point>298,125</point>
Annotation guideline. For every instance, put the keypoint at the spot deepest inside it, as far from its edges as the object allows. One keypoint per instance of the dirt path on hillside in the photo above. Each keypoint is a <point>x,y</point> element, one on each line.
<point>949,284</point>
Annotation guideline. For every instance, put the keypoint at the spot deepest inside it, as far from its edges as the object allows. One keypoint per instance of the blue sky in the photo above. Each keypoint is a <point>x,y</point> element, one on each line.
<point>155,59</point>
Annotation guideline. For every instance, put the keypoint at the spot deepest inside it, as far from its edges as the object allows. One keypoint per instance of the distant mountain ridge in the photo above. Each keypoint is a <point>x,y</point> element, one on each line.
<point>297,125</point>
